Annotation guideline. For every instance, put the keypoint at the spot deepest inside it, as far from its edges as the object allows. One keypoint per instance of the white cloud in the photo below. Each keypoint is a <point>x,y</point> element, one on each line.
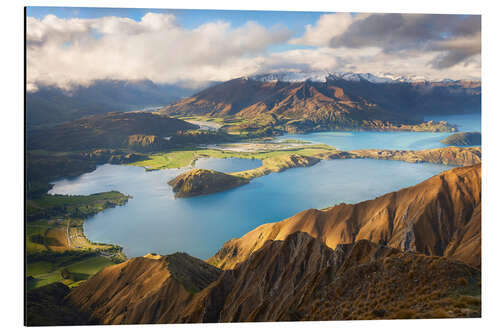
<point>367,60</point>
<point>63,52</point>
<point>327,27</point>
<point>456,37</point>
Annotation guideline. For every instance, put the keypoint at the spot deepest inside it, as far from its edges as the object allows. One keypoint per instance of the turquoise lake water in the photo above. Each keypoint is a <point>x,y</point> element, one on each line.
<point>154,221</point>
<point>392,140</point>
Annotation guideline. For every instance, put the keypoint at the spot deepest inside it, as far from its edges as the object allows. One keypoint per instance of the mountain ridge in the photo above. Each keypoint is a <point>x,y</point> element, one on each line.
<point>173,277</point>
<point>298,278</point>
<point>440,216</point>
<point>322,76</point>
<point>110,130</point>
<point>52,105</point>
<point>335,104</point>
<point>297,270</point>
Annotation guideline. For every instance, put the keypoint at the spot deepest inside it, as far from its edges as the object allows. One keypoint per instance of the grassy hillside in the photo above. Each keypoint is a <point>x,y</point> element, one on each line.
<point>111,130</point>
<point>51,105</point>
<point>76,206</point>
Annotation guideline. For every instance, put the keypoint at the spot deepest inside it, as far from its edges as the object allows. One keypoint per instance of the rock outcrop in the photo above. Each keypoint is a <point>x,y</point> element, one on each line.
<point>113,156</point>
<point>144,142</point>
<point>200,181</point>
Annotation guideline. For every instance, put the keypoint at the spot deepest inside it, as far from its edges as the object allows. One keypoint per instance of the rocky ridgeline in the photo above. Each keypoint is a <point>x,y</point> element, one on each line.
<point>298,278</point>
<point>440,216</point>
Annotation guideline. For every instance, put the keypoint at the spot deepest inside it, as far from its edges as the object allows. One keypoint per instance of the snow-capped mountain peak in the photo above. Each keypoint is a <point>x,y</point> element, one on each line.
<point>291,77</point>
<point>319,77</point>
<point>350,76</point>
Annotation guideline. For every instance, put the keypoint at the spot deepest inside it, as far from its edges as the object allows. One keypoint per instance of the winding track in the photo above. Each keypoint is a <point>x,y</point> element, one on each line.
<point>67,233</point>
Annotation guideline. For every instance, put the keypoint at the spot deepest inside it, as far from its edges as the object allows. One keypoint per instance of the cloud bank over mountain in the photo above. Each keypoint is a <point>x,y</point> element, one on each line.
<point>456,38</point>
<point>65,52</point>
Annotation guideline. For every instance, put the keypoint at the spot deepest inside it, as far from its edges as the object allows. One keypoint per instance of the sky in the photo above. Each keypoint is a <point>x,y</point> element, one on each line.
<point>70,46</point>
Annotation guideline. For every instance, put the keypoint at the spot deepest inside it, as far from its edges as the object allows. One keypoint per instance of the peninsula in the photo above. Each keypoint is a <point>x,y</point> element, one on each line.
<point>199,182</point>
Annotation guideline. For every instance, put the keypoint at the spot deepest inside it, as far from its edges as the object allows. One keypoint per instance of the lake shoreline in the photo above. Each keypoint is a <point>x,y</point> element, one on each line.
<point>458,156</point>
<point>57,247</point>
<point>186,158</point>
<point>95,223</point>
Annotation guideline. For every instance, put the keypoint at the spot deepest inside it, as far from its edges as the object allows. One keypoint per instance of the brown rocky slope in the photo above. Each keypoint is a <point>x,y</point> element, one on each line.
<point>299,278</point>
<point>440,216</point>
<point>376,282</point>
<point>143,290</point>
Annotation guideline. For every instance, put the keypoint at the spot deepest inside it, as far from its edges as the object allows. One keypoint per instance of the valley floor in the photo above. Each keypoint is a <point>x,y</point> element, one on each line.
<point>56,247</point>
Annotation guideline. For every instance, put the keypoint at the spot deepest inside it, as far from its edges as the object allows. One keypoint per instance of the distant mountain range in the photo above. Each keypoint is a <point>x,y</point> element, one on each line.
<point>292,76</point>
<point>312,101</point>
<point>49,105</point>
<point>292,100</point>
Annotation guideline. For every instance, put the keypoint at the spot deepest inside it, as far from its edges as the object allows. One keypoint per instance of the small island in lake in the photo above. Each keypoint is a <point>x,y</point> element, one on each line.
<point>200,181</point>
<point>463,139</point>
